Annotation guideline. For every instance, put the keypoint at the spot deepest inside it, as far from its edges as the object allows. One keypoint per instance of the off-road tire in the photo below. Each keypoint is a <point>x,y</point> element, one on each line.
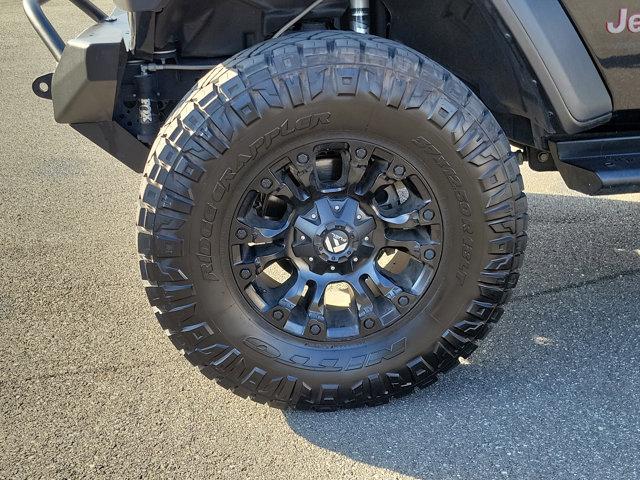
<point>196,166</point>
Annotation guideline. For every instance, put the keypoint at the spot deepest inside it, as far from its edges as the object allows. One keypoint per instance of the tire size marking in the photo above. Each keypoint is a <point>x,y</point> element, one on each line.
<point>464,206</point>
<point>223,185</point>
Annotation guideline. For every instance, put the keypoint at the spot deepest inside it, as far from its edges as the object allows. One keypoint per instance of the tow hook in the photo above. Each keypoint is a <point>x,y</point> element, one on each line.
<point>41,86</point>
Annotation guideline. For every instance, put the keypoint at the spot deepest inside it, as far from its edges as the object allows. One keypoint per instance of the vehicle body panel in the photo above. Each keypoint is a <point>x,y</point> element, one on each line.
<point>614,43</point>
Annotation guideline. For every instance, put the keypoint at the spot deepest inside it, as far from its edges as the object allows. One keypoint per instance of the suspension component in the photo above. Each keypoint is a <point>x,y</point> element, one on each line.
<point>148,109</point>
<point>360,16</point>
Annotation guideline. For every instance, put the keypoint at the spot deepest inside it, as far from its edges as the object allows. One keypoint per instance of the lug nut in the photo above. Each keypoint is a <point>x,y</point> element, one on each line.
<point>245,274</point>
<point>266,183</point>
<point>278,315</point>
<point>428,215</point>
<point>315,329</point>
<point>403,301</point>
<point>399,170</point>
<point>369,323</point>
<point>429,254</point>
<point>303,158</point>
<point>361,153</point>
<point>241,233</point>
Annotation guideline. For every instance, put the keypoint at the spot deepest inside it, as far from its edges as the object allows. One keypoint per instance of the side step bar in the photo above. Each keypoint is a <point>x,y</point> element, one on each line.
<point>600,166</point>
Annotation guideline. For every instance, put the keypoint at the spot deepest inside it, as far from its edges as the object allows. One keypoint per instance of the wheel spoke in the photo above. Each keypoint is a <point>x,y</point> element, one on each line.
<point>269,252</point>
<point>405,216</point>
<point>307,225</point>
<point>327,210</point>
<point>402,221</point>
<point>359,158</point>
<point>386,286</point>
<point>364,300</point>
<point>316,307</point>
<point>416,242</point>
<point>350,211</point>
<point>304,249</point>
<point>292,189</point>
<point>262,254</point>
<point>367,226</point>
<point>373,178</point>
<point>257,229</point>
<point>291,298</point>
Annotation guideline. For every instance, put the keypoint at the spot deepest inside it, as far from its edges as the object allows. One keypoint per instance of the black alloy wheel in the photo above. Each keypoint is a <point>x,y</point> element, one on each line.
<point>336,241</point>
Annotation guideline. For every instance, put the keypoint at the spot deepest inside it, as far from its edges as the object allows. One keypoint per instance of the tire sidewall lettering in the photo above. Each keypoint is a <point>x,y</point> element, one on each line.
<point>224,184</point>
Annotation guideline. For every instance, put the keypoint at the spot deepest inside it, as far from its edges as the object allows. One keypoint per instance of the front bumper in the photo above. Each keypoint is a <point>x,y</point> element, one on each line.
<point>85,85</point>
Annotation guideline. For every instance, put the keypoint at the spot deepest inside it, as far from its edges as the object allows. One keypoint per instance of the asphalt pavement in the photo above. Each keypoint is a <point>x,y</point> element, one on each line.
<point>91,388</point>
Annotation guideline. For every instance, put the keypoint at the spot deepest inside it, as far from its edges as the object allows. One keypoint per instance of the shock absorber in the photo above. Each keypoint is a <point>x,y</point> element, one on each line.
<point>360,16</point>
<point>147,106</point>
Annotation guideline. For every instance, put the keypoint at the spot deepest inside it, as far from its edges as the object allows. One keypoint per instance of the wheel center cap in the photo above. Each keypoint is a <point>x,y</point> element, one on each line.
<point>333,232</point>
<point>336,241</point>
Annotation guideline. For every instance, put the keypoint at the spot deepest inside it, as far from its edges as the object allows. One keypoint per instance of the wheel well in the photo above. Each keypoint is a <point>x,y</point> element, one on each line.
<point>500,48</point>
<point>465,36</point>
<point>468,38</point>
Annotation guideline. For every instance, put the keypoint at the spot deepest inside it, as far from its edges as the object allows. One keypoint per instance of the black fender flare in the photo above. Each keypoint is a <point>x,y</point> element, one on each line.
<point>560,60</point>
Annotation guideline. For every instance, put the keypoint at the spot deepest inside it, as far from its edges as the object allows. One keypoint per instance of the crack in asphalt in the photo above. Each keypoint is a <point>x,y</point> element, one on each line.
<point>573,286</point>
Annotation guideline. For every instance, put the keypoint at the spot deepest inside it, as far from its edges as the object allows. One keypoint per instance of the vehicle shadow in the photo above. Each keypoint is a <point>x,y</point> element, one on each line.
<point>552,392</point>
